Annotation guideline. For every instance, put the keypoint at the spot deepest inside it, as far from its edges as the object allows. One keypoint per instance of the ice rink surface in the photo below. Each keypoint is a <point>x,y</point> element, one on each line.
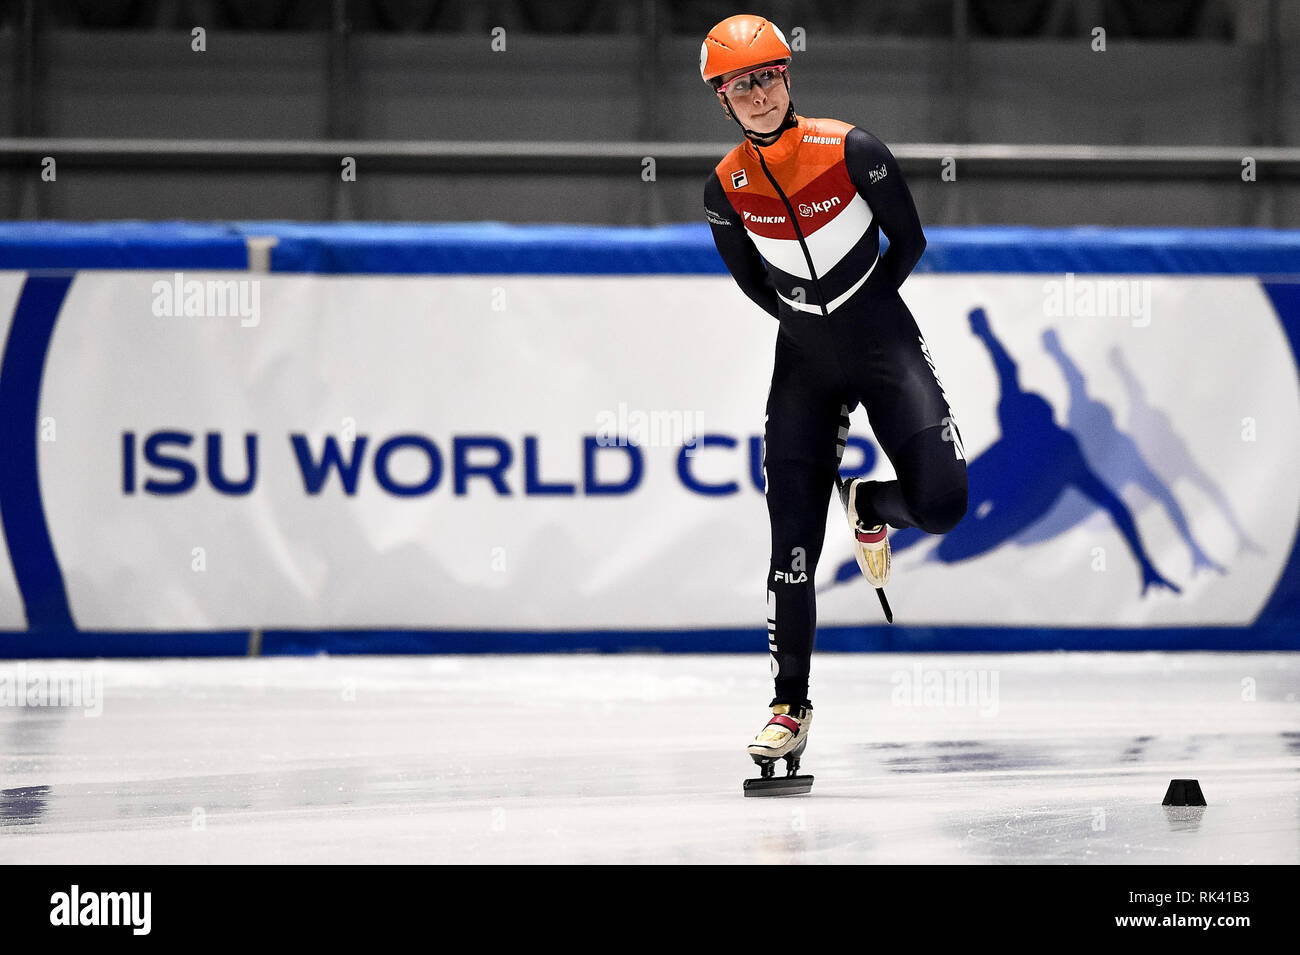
<point>573,758</point>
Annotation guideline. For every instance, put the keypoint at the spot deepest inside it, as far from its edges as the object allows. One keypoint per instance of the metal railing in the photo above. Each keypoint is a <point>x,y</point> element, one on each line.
<point>523,156</point>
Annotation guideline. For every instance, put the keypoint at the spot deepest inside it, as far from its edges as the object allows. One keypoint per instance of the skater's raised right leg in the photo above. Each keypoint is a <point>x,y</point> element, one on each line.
<point>929,493</point>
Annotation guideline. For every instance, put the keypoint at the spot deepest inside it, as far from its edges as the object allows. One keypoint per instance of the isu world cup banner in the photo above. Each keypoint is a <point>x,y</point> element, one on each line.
<point>221,450</point>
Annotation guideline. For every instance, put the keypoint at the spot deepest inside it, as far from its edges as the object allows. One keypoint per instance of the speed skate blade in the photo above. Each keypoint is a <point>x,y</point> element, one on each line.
<point>778,786</point>
<point>884,605</point>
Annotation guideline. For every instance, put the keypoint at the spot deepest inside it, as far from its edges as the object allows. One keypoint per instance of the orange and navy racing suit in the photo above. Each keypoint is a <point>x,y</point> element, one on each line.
<point>798,225</point>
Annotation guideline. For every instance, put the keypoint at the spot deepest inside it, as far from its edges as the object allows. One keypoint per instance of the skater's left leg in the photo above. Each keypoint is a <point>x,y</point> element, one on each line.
<point>797,496</point>
<point>800,442</point>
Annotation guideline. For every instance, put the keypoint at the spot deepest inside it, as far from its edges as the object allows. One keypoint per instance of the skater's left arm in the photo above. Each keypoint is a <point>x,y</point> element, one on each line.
<point>875,173</point>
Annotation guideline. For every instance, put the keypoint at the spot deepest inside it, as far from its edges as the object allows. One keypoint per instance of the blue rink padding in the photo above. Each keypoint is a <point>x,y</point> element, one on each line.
<point>41,248</point>
<point>496,248</point>
<point>30,246</point>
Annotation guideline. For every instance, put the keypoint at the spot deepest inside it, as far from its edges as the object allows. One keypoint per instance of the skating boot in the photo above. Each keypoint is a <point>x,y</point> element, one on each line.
<point>870,544</point>
<point>784,737</point>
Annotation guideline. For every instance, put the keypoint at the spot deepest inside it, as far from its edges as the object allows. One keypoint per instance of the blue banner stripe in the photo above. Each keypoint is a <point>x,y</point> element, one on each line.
<point>66,644</point>
<point>37,572</point>
<point>880,639</point>
<point>1282,612</point>
<point>884,638</point>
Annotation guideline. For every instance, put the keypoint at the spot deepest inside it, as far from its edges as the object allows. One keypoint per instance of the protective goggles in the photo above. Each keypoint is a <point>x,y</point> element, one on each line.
<point>763,78</point>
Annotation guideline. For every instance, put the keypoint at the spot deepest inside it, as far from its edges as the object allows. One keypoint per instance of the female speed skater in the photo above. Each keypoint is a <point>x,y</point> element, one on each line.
<point>796,212</point>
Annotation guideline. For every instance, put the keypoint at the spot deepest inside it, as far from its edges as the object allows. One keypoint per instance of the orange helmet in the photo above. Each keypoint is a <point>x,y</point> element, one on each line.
<point>741,41</point>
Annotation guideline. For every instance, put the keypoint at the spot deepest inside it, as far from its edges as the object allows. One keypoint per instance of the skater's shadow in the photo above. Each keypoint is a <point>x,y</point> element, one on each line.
<point>1168,452</point>
<point>1021,477</point>
<point>1114,454</point>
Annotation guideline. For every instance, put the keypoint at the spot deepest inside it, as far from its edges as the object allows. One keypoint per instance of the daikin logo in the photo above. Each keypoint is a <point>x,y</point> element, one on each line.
<point>750,217</point>
<point>810,209</point>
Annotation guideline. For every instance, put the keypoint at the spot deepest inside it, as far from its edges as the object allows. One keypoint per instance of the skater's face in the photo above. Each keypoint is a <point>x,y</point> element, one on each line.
<point>761,110</point>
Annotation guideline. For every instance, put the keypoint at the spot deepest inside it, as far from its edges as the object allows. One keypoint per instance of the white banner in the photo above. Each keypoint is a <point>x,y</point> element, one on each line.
<point>471,417</point>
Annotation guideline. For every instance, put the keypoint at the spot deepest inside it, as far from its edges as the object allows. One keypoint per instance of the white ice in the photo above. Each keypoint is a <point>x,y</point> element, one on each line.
<point>639,758</point>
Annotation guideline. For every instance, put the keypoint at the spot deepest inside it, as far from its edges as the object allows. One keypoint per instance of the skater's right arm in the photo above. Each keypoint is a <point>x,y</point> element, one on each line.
<point>737,251</point>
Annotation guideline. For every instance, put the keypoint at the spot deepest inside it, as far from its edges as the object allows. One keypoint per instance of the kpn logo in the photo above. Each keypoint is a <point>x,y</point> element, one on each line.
<point>810,209</point>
